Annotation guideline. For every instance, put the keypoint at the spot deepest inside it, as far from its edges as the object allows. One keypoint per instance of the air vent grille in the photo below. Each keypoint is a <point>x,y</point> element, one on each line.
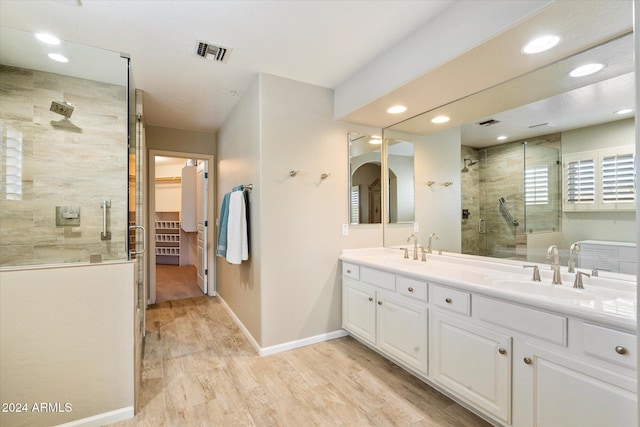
<point>211,51</point>
<point>487,123</point>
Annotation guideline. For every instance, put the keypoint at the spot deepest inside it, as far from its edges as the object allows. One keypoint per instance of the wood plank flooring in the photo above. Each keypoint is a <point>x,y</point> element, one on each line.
<point>200,370</point>
<point>176,282</point>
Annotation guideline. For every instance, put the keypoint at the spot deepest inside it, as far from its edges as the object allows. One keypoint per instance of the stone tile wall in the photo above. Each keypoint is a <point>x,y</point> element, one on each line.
<point>61,162</point>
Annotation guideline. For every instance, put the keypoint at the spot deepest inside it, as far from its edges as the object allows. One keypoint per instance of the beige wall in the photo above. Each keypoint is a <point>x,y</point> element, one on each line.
<point>290,288</point>
<point>188,141</point>
<point>66,336</point>
<point>76,162</point>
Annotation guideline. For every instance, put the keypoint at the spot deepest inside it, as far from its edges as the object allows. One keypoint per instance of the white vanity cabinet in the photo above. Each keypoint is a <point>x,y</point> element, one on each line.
<point>566,391</point>
<point>471,361</point>
<point>518,364</point>
<point>395,323</point>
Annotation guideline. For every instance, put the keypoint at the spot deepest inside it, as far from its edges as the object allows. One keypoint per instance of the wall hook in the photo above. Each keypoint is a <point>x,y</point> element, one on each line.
<point>447,183</point>
<point>430,183</point>
<point>325,176</point>
<point>293,173</point>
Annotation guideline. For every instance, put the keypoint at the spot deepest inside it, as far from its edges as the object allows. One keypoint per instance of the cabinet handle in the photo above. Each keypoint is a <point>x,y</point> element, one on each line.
<point>502,351</point>
<point>621,350</point>
<point>379,302</point>
<point>527,360</point>
<point>447,300</point>
<point>370,299</point>
<point>410,289</point>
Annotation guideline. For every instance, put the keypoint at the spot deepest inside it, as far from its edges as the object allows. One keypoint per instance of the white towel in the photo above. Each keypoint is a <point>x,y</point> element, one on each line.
<point>237,241</point>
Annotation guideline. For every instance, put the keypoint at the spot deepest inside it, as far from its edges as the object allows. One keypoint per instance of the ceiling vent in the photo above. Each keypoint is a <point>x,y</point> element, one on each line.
<point>487,123</point>
<point>213,52</point>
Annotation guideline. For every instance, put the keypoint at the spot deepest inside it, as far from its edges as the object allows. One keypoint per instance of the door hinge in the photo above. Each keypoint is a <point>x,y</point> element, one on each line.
<point>206,175</point>
<point>206,272</point>
<point>206,223</point>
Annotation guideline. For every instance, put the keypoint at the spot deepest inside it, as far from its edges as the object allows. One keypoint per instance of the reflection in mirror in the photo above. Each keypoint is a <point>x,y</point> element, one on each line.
<point>533,168</point>
<point>401,180</point>
<point>365,184</point>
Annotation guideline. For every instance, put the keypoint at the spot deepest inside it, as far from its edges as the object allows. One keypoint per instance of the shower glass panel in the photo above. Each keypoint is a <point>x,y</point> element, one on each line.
<point>542,187</point>
<point>63,153</point>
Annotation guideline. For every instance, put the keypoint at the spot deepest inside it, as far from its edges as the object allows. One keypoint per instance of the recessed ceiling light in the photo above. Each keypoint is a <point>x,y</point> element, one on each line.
<point>375,141</point>
<point>585,70</point>
<point>440,119</point>
<point>48,38</point>
<point>540,44</point>
<point>58,57</point>
<point>396,109</point>
<point>624,111</point>
<point>501,138</point>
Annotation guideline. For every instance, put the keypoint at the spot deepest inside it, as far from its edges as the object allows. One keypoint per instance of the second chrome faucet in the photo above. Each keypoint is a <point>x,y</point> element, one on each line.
<point>552,253</point>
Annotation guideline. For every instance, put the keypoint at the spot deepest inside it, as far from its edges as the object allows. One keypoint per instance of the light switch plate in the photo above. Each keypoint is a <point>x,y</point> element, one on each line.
<point>345,229</point>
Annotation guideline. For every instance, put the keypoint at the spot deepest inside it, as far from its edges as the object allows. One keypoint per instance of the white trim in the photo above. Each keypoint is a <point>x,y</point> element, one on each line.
<point>102,419</point>
<point>279,348</point>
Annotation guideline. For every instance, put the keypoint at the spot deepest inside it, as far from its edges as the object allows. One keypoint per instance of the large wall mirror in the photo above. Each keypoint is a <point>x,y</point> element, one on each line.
<point>545,158</point>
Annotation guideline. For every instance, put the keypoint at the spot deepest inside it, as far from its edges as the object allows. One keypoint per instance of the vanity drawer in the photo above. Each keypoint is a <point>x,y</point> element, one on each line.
<point>611,345</point>
<point>535,323</point>
<point>351,270</point>
<point>378,278</point>
<point>412,288</point>
<point>450,299</point>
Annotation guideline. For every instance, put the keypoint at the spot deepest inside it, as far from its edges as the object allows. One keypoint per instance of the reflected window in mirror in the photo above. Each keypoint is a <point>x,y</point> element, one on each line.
<point>365,179</point>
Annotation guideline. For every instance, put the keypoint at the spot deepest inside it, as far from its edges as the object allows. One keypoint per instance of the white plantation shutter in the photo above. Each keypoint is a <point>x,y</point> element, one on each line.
<point>355,204</point>
<point>581,181</point>
<point>536,185</point>
<point>617,178</point>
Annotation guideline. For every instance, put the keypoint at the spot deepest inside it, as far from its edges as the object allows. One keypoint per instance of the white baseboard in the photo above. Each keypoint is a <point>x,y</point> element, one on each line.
<point>102,419</point>
<point>266,351</point>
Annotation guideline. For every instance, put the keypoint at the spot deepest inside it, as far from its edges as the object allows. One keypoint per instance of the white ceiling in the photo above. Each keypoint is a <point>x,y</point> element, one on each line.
<point>319,42</point>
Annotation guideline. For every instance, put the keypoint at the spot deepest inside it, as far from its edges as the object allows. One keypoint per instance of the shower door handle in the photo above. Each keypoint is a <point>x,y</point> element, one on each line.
<point>482,226</point>
<point>144,240</point>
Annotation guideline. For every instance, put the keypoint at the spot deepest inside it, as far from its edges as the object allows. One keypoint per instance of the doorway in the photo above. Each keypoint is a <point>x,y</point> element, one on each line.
<point>180,239</point>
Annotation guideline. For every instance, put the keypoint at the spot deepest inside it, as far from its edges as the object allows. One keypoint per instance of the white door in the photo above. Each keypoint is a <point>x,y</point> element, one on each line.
<point>202,223</point>
<point>359,310</point>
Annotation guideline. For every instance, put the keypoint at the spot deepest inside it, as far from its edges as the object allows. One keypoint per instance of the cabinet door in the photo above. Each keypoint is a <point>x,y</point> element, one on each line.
<point>567,392</point>
<point>402,330</point>
<point>359,310</point>
<point>472,362</point>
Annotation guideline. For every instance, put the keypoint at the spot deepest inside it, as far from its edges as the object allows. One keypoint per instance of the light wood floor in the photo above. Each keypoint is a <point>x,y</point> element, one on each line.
<point>176,282</point>
<point>200,370</point>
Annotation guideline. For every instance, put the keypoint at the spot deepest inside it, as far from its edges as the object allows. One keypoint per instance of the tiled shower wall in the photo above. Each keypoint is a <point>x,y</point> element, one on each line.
<point>61,162</point>
<point>499,173</point>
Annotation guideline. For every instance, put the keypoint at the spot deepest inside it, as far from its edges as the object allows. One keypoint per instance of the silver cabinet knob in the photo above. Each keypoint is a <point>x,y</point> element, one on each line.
<point>502,351</point>
<point>370,299</point>
<point>527,360</point>
<point>379,302</point>
<point>349,271</point>
<point>448,300</point>
<point>621,350</point>
<point>410,289</point>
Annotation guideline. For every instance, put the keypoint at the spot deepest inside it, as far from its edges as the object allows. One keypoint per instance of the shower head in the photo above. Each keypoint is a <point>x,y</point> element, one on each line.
<point>467,163</point>
<point>61,107</point>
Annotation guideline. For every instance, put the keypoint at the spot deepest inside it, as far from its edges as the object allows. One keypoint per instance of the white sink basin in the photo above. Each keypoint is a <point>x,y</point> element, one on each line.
<point>564,291</point>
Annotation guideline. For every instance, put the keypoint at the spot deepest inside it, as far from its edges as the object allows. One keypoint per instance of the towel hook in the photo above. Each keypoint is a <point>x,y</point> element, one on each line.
<point>293,173</point>
<point>325,176</point>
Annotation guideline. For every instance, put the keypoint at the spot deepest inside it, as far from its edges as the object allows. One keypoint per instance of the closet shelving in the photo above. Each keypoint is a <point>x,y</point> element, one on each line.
<point>168,238</point>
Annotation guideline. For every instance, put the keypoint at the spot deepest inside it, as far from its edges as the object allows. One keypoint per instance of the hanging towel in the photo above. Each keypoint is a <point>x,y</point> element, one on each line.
<point>237,239</point>
<point>221,249</point>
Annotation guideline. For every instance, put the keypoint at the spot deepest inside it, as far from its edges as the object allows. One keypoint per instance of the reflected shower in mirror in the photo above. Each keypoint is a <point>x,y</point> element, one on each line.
<point>400,161</point>
<point>365,179</point>
<point>531,168</point>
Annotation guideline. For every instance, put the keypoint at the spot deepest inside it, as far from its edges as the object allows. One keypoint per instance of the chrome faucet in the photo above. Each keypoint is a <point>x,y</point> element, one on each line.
<point>573,249</point>
<point>431,236</point>
<point>553,252</point>
<point>578,282</point>
<point>415,245</point>
<point>536,272</point>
